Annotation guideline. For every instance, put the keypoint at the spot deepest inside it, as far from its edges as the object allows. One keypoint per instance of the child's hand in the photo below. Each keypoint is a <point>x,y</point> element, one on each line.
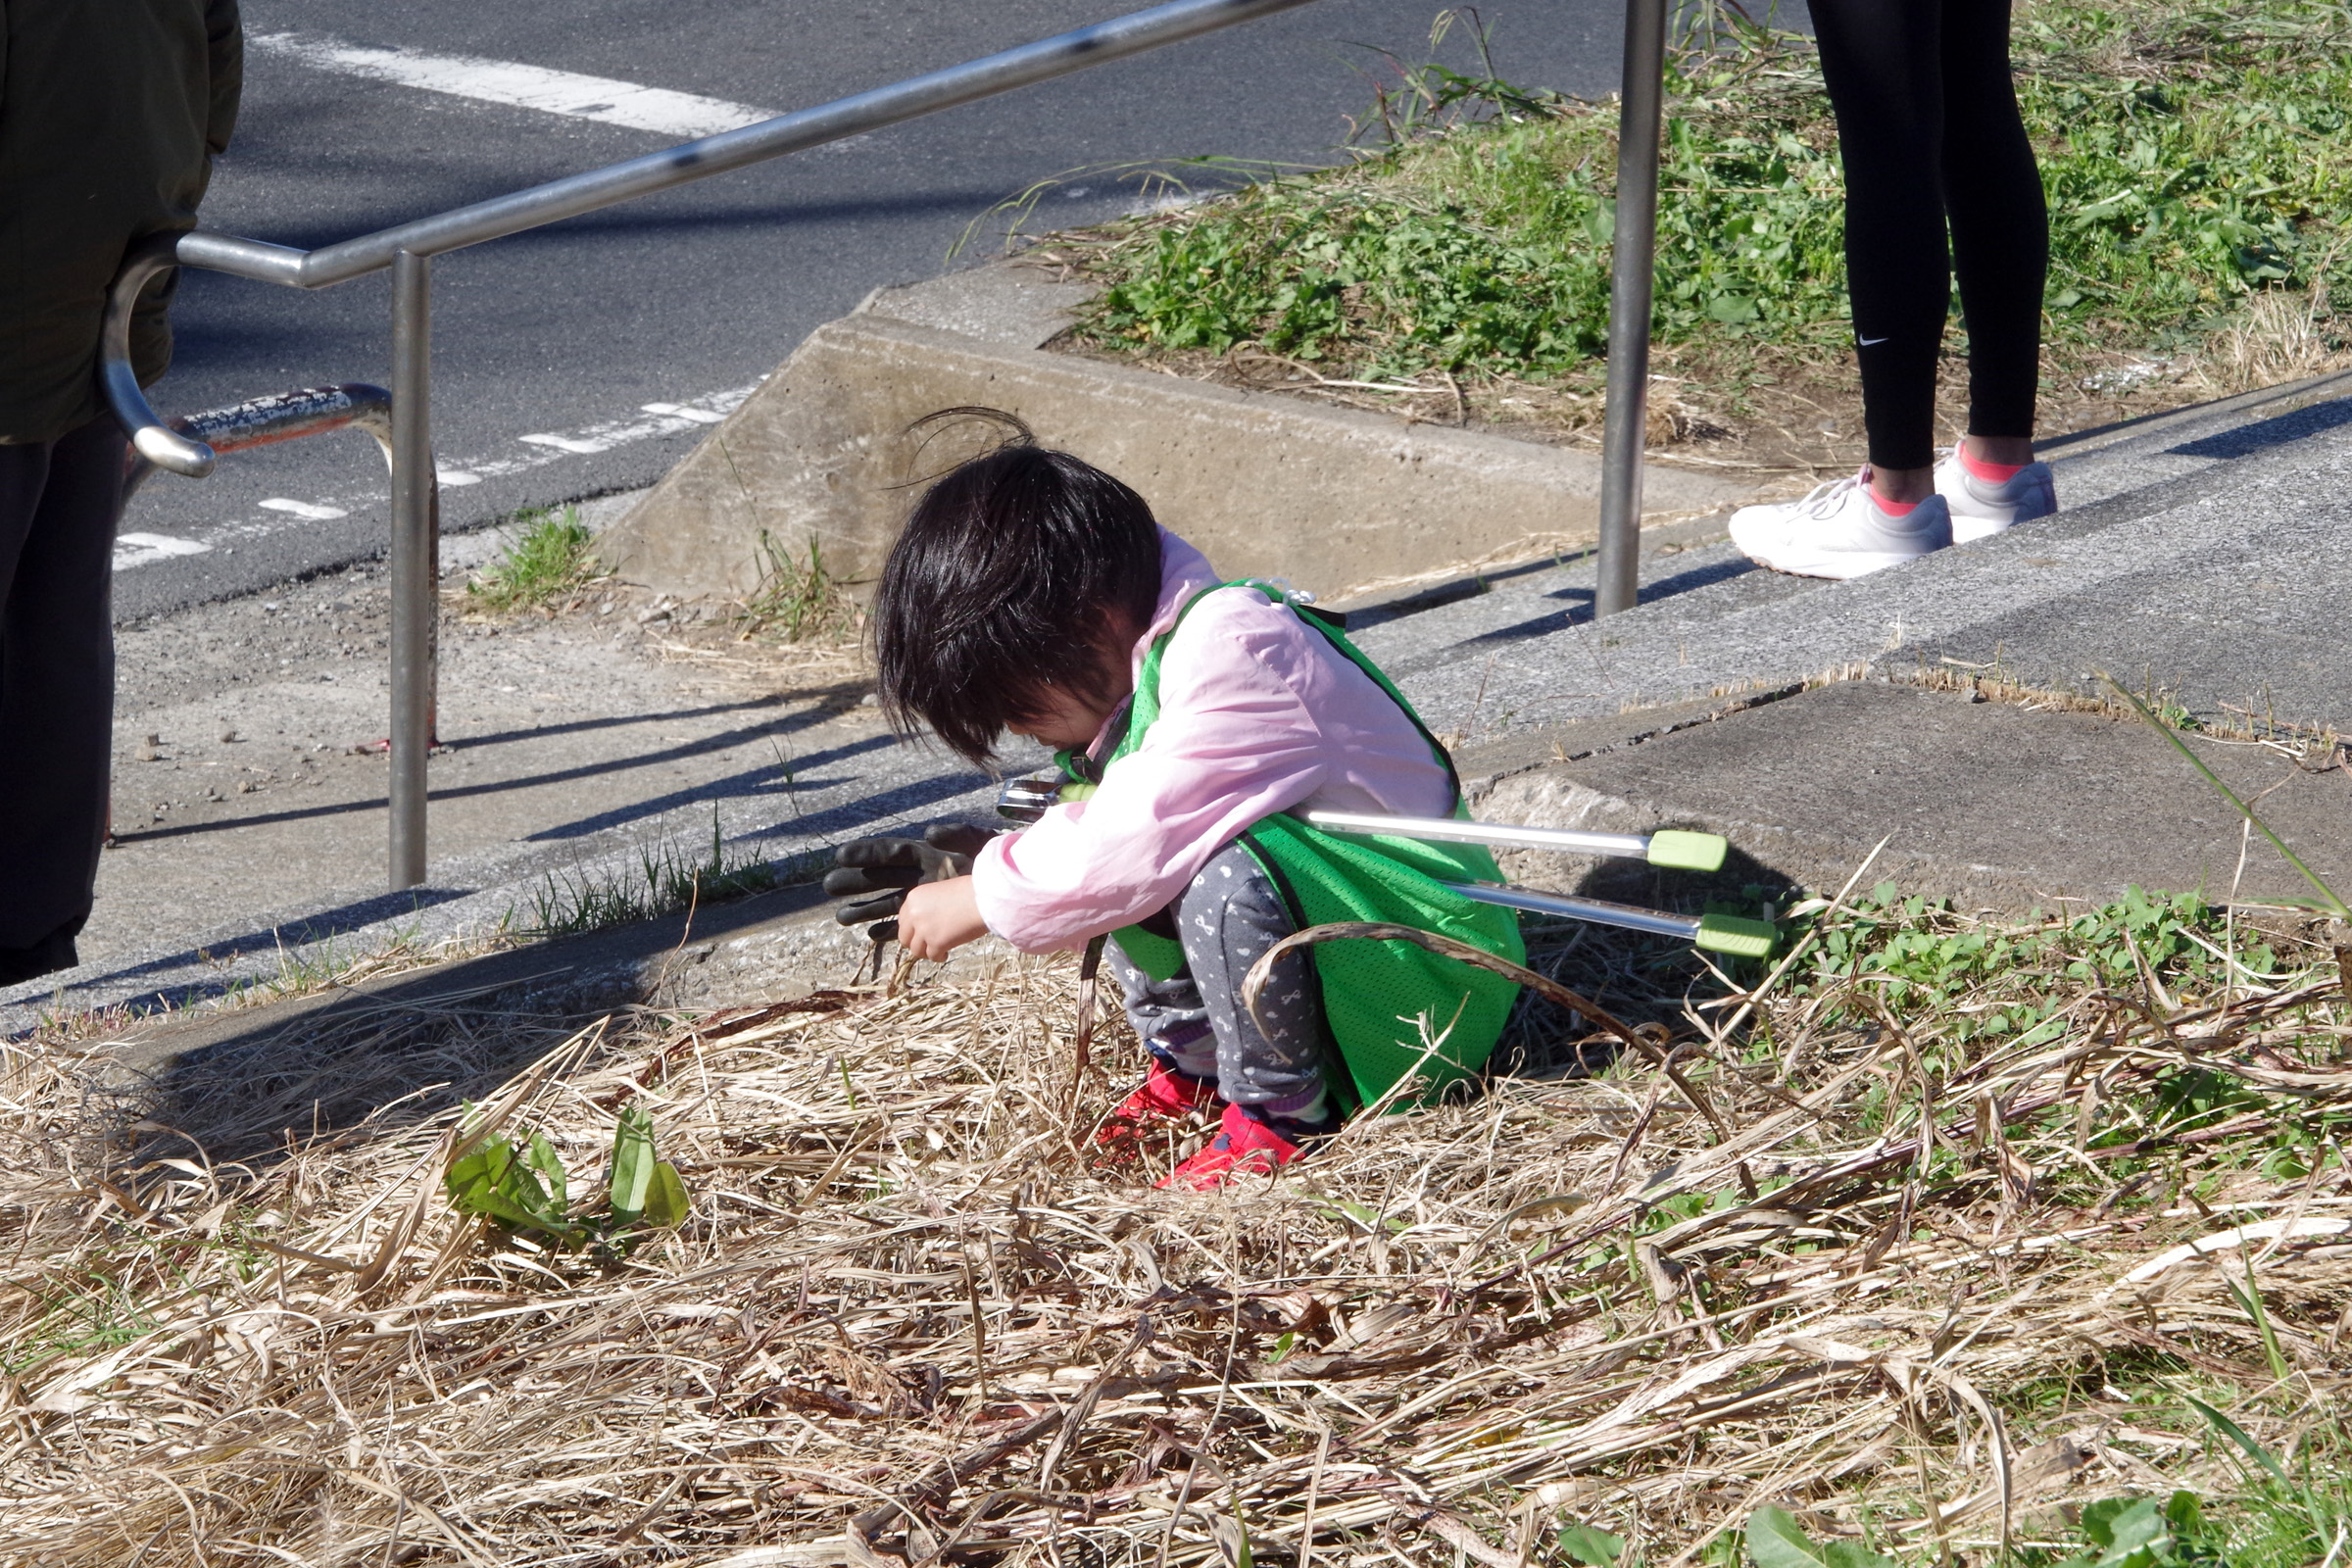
<point>938,917</point>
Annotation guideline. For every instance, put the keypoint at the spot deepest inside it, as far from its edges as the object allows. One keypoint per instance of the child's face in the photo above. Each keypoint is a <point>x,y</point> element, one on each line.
<point>1067,718</point>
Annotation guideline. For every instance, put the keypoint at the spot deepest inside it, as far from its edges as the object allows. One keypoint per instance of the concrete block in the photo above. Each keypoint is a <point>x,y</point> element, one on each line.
<point>1335,499</point>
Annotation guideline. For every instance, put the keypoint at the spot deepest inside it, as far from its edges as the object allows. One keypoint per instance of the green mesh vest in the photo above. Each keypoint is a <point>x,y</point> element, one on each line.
<point>1376,995</point>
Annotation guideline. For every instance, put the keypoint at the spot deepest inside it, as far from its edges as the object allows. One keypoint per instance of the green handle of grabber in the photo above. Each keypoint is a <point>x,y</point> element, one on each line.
<point>1736,937</point>
<point>1679,850</point>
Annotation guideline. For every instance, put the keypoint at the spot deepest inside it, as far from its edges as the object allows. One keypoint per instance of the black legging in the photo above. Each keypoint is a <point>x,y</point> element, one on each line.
<point>1927,129</point>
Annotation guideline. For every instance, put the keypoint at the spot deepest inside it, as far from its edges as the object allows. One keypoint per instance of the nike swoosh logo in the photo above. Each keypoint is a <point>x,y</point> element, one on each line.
<point>1866,342</point>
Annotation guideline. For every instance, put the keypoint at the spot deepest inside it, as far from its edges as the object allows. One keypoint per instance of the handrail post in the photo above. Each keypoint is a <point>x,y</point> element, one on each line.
<point>1634,266</point>
<point>415,572</point>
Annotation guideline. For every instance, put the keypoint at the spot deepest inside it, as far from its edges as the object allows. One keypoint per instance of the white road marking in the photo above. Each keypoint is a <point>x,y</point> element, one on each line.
<point>567,443</point>
<point>138,549</point>
<point>304,509</point>
<point>544,448</point>
<point>681,410</point>
<point>504,81</point>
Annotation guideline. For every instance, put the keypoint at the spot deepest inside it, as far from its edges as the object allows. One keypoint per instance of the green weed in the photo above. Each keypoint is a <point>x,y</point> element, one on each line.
<point>569,902</point>
<point>2274,1519</point>
<point>525,1188</point>
<point>1962,987</point>
<point>102,1316</point>
<point>1421,99</point>
<point>797,601</point>
<point>552,555</point>
<point>1921,957</point>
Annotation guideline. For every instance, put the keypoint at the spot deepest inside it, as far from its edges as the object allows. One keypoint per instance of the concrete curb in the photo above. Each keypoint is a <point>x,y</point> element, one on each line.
<point>1995,804</point>
<point>1335,499</point>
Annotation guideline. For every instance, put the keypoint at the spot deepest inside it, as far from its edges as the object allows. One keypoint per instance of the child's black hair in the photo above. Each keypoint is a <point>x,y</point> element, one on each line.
<point>1004,581</point>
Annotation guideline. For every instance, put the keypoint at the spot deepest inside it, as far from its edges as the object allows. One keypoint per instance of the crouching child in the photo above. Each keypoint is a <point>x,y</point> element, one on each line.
<point>1035,594</point>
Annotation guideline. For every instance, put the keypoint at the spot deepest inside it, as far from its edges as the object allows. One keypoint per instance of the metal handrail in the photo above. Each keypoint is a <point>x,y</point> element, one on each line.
<point>408,249</point>
<point>150,437</point>
<point>280,416</point>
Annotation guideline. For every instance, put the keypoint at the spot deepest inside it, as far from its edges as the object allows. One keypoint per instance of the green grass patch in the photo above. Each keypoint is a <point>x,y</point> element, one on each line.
<point>2192,157</point>
<point>665,881</point>
<point>549,556</point>
<point>1961,987</point>
<point>2275,1520</point>
<point>796,600</point>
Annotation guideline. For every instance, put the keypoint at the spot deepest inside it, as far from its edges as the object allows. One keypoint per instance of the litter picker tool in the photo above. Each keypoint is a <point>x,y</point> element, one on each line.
<point>1025,800</point>
<point>1670,849</point>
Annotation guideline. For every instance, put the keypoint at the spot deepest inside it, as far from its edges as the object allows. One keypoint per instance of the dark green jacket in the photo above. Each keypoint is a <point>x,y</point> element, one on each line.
<point>111,112</point>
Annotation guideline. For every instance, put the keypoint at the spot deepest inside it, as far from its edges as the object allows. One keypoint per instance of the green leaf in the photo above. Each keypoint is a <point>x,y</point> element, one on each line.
<point>633,1162</point>
<point>499,1206</point>
<point>1775,1539</point>
<point>1595,1549</point>
<point>1853,1554</point>
<point>2238,1435</point>
<point>542,1158</point>
<point>2131,1529</point>
<point>665,1203</point>
<point>494,1183</point>
<point>479,1169</point>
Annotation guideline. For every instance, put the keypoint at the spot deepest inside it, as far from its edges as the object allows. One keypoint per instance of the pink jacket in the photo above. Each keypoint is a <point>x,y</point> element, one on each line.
<point>1258,713</point>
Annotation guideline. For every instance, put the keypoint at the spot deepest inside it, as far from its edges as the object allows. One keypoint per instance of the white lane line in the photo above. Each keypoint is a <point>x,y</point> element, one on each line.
<point>304,509</point>
<point>567,443</point>
<point>682,412</point>
<point>521,87</point>
<point>138,549</point>
<point>694,414</point>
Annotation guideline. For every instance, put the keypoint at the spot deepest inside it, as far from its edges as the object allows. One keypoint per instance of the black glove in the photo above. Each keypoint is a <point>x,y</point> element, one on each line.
<point>877,872</point>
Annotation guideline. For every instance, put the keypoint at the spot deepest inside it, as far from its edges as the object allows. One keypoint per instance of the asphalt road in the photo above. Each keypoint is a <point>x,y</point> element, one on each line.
<point>688,298</point>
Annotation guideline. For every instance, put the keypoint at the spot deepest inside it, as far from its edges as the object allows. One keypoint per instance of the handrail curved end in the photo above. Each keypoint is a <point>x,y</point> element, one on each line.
<point>173,452</point>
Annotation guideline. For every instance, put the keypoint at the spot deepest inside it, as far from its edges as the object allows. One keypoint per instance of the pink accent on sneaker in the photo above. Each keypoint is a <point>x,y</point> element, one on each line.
<point>1245,1147</point>
<point>1892,508</point>
<point>1165,1095</point>
<point>1991,473</point>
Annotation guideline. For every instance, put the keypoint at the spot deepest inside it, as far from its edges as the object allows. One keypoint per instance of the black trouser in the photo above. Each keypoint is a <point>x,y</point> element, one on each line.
<point>1927,129</point>
<point>59,504</point>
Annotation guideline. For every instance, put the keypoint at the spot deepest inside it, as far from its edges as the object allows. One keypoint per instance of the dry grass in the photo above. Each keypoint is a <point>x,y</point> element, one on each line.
<point>2280,337</point>
<point>912,1322</point>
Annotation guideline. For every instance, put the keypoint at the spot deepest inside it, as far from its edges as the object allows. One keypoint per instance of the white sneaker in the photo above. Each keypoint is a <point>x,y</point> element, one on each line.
<point>1982,507</point>
<point>1838,531</point>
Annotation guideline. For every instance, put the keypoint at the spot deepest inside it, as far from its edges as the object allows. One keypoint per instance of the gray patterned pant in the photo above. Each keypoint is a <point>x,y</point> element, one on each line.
<point>1225,918</point>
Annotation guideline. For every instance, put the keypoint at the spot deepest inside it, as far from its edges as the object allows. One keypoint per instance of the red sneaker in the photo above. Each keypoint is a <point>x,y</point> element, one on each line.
<point>1245,1147</point>
<point>1166,1095</point>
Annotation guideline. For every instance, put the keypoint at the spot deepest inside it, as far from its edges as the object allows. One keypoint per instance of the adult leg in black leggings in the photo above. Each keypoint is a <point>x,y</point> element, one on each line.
<point>1929,132</point>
